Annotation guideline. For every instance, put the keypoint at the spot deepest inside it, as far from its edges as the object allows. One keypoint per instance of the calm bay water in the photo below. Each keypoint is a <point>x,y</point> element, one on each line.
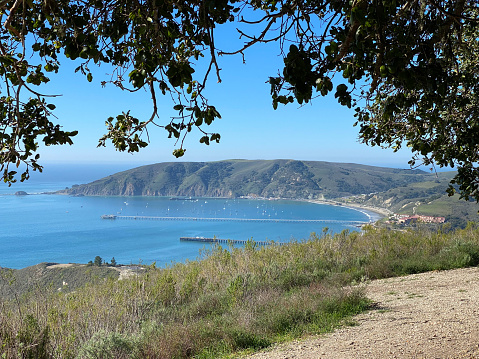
<point>52,228</point>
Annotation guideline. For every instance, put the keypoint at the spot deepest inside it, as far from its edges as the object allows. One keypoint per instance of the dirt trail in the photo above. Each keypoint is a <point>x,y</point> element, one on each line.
<point>428,315</point>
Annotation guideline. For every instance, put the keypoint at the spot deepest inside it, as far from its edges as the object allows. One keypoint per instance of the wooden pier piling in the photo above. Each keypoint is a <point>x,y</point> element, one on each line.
<point>227,241</point>
<point>233,219</point>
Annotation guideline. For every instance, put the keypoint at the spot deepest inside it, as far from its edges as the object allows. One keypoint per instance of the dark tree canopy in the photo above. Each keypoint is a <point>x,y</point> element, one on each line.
<point>408,67</point>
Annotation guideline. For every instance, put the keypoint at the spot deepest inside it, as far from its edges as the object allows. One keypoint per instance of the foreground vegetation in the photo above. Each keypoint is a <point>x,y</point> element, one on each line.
<point>231,300</point>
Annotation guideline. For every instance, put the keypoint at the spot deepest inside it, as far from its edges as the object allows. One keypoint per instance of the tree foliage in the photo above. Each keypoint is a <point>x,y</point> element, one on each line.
<point>98,261</point>
<point>149,44</point>
<point>407,67</point>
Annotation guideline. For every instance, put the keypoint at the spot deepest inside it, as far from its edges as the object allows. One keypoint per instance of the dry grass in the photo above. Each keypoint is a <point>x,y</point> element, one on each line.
<point>233,299</point>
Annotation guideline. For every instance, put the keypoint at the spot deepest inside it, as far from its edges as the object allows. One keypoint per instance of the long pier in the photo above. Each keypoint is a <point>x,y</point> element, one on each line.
<point>228,241</point>
<point>232,219</point>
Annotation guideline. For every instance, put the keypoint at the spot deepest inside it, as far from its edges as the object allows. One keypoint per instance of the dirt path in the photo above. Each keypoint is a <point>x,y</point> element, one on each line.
<point>428,315</point>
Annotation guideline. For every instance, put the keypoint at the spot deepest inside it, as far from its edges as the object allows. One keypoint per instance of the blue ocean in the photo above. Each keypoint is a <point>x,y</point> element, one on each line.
<point>55,228</point>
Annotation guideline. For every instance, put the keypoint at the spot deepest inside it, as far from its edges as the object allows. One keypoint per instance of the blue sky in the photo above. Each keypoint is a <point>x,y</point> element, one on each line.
<point>250,128</point>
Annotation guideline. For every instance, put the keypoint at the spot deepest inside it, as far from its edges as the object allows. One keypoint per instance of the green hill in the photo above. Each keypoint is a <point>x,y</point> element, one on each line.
<point>424,198</point>
<point>398,190</point>
<point>263,178</point>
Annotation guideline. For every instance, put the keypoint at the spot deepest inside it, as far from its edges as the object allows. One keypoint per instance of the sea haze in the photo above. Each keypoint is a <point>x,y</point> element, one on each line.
<point>55,228</point>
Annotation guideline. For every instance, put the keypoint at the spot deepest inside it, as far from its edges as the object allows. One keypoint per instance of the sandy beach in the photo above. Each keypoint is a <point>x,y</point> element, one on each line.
<point>374,213</point>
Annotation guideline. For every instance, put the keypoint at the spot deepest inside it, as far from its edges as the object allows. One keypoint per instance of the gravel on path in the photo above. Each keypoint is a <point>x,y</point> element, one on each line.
<point>427,315</point>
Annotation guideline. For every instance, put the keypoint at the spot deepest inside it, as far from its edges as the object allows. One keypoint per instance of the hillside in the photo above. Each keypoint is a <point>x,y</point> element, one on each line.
<point>48,277</point>
<point>424,198</point>
<point>263,178</point>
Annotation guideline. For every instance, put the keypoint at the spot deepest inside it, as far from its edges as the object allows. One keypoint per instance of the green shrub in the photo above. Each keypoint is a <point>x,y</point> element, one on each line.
<point>103,345</point>
<point>98,261</point>
<point>33,341</point>
<point>243,339</point>
<point>459,255</point>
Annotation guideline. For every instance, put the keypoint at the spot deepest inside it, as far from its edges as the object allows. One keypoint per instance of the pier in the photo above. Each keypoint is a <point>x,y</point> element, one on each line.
<point>232,219</point>
<point>227,241</point>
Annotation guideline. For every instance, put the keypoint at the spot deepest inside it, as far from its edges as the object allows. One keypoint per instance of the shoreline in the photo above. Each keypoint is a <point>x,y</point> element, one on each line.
<point>374,215</point>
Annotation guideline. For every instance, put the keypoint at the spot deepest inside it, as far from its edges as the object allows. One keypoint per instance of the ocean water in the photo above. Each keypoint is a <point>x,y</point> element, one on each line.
<point>55,228</point>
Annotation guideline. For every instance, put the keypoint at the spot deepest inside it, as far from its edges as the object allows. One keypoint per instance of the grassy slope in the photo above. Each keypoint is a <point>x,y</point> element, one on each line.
<point>242,299</point>
<point>45,277</point>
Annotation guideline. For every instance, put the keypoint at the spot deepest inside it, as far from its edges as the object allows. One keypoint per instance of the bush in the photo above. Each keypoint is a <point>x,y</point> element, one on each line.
<point>244,340</point>
<point>103,345</point>
<point>33,342</point>
<point>98,261</point>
